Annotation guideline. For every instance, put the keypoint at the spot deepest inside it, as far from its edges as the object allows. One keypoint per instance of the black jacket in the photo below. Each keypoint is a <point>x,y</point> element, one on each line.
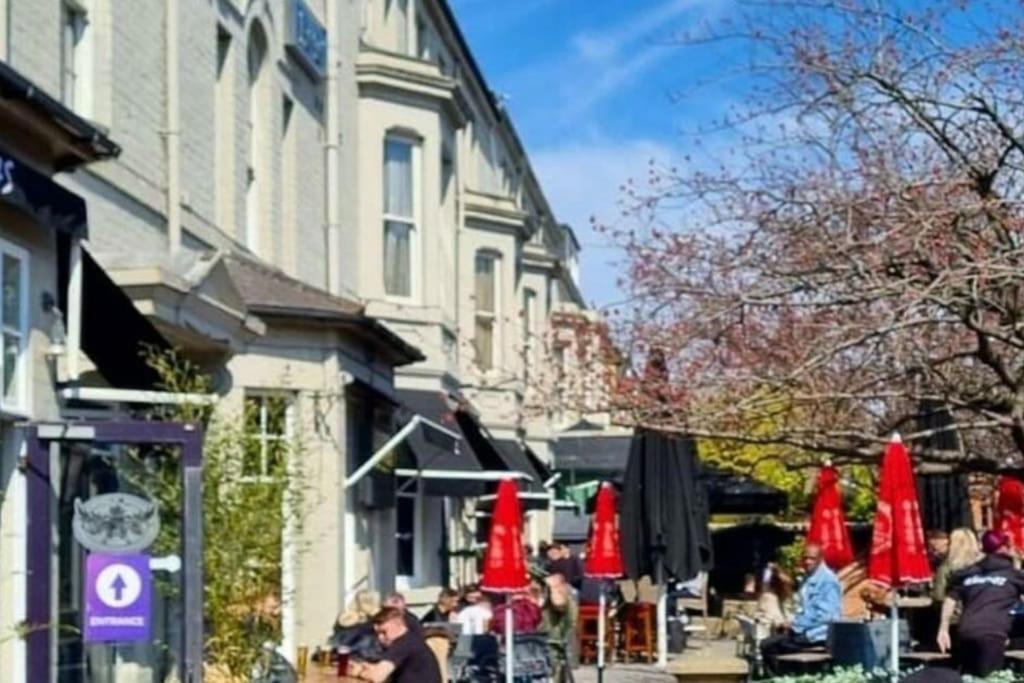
<point>988,590</point>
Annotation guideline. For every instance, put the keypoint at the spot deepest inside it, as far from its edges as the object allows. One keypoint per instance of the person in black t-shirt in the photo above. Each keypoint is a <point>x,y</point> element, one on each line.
<point>407,659</point>
<point>397,600</point>
<point>444,609</point>
<point>987,590</point>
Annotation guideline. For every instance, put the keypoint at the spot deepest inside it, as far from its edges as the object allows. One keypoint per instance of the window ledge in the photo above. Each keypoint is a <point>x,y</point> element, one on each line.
<point>14,414</point>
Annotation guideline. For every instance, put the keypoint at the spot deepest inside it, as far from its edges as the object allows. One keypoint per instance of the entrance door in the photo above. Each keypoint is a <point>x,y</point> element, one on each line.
<point>144,599</point>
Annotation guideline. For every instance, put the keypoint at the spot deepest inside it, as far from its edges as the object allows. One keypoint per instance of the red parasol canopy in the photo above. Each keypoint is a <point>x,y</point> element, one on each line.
<point>604,557</point>
<point>828,523</point>
<point>505,559</point>
<point>898,554</point>
<point>1010,510</point>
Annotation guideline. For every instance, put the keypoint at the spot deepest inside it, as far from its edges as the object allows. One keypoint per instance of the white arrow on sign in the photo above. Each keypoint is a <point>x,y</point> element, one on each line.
<point>118,585</point>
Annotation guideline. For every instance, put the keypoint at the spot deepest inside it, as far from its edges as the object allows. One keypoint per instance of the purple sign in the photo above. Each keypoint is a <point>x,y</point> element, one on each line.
<point>117,598</point>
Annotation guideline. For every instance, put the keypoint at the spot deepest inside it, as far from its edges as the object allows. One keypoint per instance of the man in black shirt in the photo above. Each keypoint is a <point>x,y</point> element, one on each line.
<point>987,590</point>
<point>446,606</point>
<point>407,659</point>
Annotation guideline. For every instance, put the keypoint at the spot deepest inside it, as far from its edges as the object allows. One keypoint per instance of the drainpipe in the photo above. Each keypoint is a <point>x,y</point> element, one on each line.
<point>172,133</point>
<point>332,148</point>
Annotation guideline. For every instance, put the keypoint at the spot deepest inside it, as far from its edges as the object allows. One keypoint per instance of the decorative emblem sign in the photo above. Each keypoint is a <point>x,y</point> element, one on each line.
<point>115,523</point>
<point>307,39</point>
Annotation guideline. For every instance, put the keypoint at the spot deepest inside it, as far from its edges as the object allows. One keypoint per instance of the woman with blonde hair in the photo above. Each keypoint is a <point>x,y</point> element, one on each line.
<point>361,610</point>
<point>963,552</point>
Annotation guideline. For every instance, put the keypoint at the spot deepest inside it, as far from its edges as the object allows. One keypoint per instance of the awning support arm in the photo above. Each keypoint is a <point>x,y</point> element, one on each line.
<point>392,443</point>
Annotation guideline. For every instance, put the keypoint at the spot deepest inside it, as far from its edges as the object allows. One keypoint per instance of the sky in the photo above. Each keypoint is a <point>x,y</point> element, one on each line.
<point>597,89</point>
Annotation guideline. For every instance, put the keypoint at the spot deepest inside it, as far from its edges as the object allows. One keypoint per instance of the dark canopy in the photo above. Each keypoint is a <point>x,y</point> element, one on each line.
<point>663,510</point>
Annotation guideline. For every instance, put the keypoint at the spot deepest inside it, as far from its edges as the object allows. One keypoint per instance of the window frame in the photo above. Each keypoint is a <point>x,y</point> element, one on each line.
<point>414,222</point>
<point>76,56</point>
<point>22,406</point>
<point>264,438</point>
<point>492,316</point>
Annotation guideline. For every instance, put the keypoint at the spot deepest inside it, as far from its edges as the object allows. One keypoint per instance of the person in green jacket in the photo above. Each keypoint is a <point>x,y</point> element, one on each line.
<point>559,621</point>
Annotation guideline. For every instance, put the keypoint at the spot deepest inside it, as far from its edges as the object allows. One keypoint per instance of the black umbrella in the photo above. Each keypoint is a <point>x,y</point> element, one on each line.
<point>664,509</point>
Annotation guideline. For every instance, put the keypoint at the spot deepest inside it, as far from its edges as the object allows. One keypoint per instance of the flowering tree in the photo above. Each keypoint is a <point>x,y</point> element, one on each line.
<point>861,260</point>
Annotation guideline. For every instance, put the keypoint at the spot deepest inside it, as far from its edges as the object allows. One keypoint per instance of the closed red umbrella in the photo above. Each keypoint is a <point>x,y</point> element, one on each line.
<point>828,523</point>
<point>604,557</point>
<point>1010,510</point>
<point>898,555</point>
<point>505,559</point>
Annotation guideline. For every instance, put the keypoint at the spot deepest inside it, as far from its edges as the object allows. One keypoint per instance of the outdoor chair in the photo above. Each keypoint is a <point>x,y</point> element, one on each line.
<point>638,631</point>
<point>586,632</point>
<point>698,604</point>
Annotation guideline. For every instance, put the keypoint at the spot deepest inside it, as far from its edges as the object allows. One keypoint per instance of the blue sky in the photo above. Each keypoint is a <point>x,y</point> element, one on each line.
<point>593,88</point>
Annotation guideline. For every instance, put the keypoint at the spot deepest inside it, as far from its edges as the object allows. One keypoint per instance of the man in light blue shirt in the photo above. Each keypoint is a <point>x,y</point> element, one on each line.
<point>821,602</point>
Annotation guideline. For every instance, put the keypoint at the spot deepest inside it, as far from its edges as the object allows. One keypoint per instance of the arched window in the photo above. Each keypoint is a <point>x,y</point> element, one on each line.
<point>256,173</point>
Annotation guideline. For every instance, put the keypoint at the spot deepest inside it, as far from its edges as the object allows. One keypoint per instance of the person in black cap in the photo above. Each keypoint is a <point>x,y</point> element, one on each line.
<point>987,591</point>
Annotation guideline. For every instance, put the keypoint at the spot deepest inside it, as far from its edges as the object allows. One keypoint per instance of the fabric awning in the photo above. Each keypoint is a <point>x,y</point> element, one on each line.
<point>115,335</point>
<point>445,467</point>
<point>503,456</point>
<point>592,453</point>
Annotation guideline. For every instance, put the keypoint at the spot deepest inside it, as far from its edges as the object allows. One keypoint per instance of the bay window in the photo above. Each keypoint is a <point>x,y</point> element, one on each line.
<point>400,213</point>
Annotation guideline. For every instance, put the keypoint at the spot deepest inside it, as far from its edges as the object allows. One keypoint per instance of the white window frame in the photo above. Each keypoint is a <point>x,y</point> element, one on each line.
<point>494,316</point>
<point>415,232</point>
<point>20,406</point>
<point>76,57</point>
<point>263,436</point>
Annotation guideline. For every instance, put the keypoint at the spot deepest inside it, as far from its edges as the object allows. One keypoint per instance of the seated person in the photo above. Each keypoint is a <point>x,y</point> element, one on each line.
<point>397,600</point>
<point>774,599</point>
<point>444,609</point>
<point>475,617</point>
<point>526,614</point>
<point>821,602</point>
<point>406,658</point>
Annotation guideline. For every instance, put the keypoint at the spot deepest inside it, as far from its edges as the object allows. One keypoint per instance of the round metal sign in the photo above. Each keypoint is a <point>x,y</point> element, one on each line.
<point>115,523</point>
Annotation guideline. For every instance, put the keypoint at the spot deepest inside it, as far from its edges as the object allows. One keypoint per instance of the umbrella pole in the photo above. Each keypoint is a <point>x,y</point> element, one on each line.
<point>662,618</point>
<point>601,606</point>
<point>509,644</point>
<point>894,647</point>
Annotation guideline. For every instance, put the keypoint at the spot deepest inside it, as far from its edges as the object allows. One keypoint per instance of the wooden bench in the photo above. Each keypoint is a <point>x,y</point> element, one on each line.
<point>1015,660</point>
<point>804,662</point>
<point>923,658</point>
<point>708,669</point>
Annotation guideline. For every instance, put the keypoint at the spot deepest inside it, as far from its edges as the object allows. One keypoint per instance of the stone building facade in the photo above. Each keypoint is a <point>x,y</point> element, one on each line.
<point>319,201</point>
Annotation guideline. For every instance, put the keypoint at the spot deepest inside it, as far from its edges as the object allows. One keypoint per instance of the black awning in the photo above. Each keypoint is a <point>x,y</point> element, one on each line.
<point>115,335</point>
<point>570,526</point>
<point>731,493</point>
<point>597,454</point>
<point>503,456</point>
<point>539,465</point>
<point>36,195</point>
<point>444,466</point>
<point>519,461</point>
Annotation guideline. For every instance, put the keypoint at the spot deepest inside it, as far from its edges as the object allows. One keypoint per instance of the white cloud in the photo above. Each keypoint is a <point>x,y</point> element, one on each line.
<point>597,62</point>
<point>582,179</point>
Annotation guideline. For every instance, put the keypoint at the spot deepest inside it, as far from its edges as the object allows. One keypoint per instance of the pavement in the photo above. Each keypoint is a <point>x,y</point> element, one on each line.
<point>623,673</point>
<point>708,657</point>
